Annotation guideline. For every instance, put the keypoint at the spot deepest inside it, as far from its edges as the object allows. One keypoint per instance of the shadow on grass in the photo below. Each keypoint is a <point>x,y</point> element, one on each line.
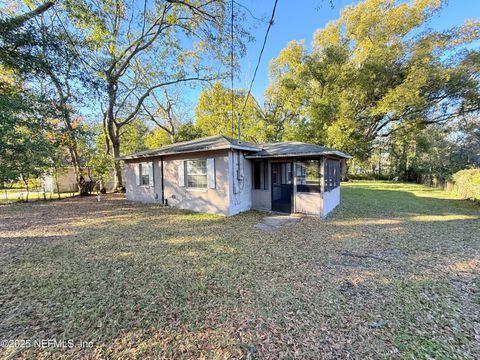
<point>141,280</point>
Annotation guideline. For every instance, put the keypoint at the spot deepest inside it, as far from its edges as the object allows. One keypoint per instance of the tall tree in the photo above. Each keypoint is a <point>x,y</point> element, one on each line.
<point>171,42</point>
<point>44,57</point>
<point>69,85</point>
<point>375,71</point>
<point>27,139</point>
<point>214,114</point>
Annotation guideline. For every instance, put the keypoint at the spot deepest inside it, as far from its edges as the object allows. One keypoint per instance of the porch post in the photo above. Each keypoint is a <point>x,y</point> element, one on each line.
<point>322,175</point>
<point>294,178</point>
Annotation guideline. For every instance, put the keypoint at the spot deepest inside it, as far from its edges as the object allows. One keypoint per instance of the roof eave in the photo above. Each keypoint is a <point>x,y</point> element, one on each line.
<point>324,153</point>
<point>157,154</point>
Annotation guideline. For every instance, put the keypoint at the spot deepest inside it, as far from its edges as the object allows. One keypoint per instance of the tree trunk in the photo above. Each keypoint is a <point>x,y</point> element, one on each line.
<point>28,190</point>
<point>72,139</point>
<point>56,183</point>
<point>344,170</point>
<point>113,131</point>
<point>115,141</point>
<point>118,168</point>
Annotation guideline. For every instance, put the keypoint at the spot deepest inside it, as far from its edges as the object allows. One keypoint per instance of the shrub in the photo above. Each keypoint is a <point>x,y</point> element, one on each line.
<point>467,183</point>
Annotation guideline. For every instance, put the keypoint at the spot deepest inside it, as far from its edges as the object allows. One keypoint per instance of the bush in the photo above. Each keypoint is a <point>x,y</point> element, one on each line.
<point>467,183</point>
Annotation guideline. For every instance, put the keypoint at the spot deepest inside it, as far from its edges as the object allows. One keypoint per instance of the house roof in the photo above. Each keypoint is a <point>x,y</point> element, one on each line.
<point>216,142</point>
<point>220,142</point>
<point>294,148</point>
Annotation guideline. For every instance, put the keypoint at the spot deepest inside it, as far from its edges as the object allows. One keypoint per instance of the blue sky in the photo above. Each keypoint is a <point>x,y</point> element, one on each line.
<point>297,20</point>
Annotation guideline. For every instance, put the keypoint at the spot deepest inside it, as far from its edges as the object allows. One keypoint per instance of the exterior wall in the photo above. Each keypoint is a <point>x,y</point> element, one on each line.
<point>330,200</point>
<point>308,203</point>
<point>214,201</point>
<point>240,186</point>
<point>143,193</point>
<point>233,192</point>
<point>66,181</point>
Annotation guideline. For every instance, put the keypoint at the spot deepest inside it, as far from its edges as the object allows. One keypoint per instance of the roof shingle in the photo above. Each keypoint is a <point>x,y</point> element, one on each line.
<point>220,142</point>
<point>294,148</point>
<point>217,142</point>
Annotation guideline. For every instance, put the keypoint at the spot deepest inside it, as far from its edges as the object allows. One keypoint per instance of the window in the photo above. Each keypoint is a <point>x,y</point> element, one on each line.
<point>260,169</point>
<point>332,174</point>
<point>197,173</point>
<point>308,176</point>
<point>144,174</point>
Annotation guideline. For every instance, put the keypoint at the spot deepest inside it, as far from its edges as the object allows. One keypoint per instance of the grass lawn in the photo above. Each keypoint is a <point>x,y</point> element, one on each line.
<point>16,195</point>
<point>392,273</point>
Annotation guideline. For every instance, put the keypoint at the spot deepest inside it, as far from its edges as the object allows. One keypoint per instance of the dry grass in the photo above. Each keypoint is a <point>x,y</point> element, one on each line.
<point>393,273</point>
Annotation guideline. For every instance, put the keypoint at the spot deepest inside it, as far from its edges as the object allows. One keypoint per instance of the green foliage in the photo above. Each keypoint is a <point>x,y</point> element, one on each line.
<point>187,131</point>
<point>133,137</point>
<point>467,183</point>
<point>157,138</point>
<point>27,141</point>
<point>374,72</point>
<point>214,114</point>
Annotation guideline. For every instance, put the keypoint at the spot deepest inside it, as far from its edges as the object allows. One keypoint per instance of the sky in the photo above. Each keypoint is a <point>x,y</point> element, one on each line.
<point>298,20</point>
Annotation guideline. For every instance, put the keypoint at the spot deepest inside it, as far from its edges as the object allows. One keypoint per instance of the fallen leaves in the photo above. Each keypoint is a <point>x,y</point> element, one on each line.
<point>393,272</point>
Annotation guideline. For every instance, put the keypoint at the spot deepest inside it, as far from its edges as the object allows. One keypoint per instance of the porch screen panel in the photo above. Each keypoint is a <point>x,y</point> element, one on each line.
<point>308,176</point>
<point>332,174</point>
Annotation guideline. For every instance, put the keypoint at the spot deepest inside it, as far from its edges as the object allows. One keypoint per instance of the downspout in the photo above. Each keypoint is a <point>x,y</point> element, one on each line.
<point>163,186</point>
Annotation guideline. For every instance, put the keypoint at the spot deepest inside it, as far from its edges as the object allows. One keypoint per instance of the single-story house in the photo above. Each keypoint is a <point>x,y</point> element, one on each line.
<point>221,175</point>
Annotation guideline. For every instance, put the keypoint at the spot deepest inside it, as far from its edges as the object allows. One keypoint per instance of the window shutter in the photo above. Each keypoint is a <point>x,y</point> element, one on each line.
<point>136,168</point>
<point>181,174</point>
<point>211,173</point>
<point>150,173</point>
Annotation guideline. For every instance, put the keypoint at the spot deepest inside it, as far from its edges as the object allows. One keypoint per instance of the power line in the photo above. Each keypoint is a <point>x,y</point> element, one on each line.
<point>270,23</point>
<point>232,70</point>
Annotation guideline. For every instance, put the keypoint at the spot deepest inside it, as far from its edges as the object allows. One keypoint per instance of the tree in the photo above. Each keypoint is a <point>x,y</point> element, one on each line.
<point>67,86</point>
<point>27,139</point>
<point>158,138</point>
<point>167,110</point>
<point>282,96</point>
<point>187,131</point>
<point>169,41</point>
<point>213,114</point>
<point>374,72</point>
<point>45,58</point>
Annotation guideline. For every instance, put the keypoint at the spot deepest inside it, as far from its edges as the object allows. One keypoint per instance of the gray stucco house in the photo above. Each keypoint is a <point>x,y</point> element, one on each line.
<point>223,176</point>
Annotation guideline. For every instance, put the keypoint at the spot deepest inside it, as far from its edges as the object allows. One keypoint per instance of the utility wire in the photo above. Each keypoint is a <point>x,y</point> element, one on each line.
<point>270,23</point>
<point>232,66</point>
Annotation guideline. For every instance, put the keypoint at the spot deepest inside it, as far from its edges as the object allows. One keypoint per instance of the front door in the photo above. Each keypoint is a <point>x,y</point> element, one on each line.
<point>282,187</point>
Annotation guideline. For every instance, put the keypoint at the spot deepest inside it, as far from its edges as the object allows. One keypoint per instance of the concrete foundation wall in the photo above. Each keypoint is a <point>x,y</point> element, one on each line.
<point>330,200</point>
<point>262,200</point>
